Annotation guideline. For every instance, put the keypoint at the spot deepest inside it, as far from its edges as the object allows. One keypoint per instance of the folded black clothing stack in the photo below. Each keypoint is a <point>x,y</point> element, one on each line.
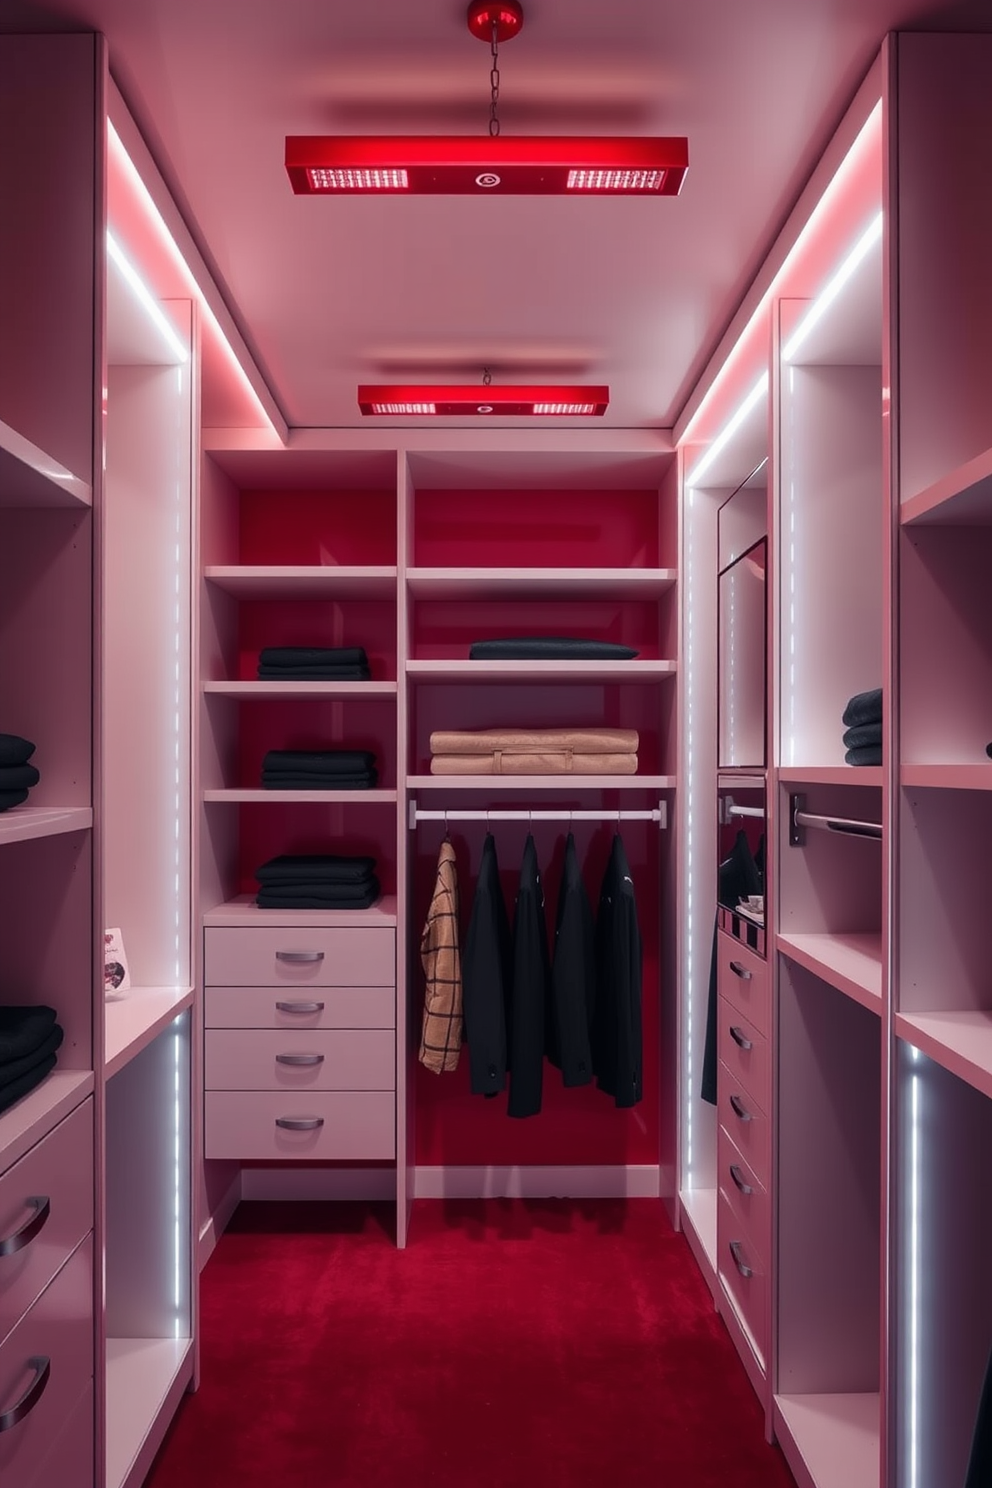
<point>16,775</point>
<point>549,648</point>
<point>319,769</point>
<point>317,881</point>
<point>863,725</point>
<point>29,1040</point>
<point>313,664</point>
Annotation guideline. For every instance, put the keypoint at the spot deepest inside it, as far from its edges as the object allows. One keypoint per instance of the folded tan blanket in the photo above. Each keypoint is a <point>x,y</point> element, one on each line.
<point>535,741</point>
<point>510,762</point>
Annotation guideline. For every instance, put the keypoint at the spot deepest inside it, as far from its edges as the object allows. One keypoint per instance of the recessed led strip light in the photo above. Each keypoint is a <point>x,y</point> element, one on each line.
<point>485,401</point>
<point>833,287</point>
<point>146,299</point>
<point>728,431</point>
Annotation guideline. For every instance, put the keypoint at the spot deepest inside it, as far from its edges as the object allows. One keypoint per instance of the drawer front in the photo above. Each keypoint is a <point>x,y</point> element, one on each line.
<point>746,1122</point>
<point>747,1197</point>
<point>70,1463</point>
<point>274,1007</point>
<point>742,978</point>
<point>747,1292</point>
<point>745,1052</point>
<point>359,1124</point>
<point>59,1329</point>
<point>259,1059</point>
<point>46,1207</point>
<point>253,956</point>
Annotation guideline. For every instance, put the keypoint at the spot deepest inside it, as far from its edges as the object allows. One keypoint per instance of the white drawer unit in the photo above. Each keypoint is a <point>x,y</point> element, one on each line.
<point>281,1007</point>
<point>334,1059</point>
<point>250,956</point>
<point>745,1052</point>
<point>742,979</point>
<point>307,1126</point>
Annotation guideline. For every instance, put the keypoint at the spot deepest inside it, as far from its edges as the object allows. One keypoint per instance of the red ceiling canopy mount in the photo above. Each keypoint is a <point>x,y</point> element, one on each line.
<point>385,400</point>
<point>506,15</point>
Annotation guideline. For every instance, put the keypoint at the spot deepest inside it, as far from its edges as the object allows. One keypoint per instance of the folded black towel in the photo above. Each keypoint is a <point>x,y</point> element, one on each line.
<point>13,1069</point>
<point>297,656</point>
<point>864,707</point>
<point>866,733</point>
<point>327,893</point>
<point>14,750</point>
<point>871,754</point>
<point>16,777</point>
<point>23,1030</point>
<point>10,798</point>
<point>549,648</point>
<point>315,674</point>
<point>19,1088</point>
<point>315,867</point>
<point>308,901</point>
<point>284,781</point>
<point>316,761</point>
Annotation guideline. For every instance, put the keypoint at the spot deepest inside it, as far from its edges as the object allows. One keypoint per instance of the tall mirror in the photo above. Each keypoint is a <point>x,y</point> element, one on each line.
<point>742,601</point>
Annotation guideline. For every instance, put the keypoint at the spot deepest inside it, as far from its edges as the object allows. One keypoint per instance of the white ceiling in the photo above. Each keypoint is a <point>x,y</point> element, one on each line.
<point>634,293</point>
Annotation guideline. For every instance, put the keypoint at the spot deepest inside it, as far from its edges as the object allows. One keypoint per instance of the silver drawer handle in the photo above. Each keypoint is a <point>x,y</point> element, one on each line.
<point>299,1123</point>
<point>738,1178</point>
<point>735,1250</point>
<point>740,971</point>
<point>42,1367</point>
<point>299,1007</point>
<point>297,958</point>
<point>19,1238</point>
<point>299,1059</point>
<point>740,1109</point>
<point>741,1039</point>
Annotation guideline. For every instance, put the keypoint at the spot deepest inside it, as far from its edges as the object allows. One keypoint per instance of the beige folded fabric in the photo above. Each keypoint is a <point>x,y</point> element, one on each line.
<point>507,762</point>
<point>536,741</point>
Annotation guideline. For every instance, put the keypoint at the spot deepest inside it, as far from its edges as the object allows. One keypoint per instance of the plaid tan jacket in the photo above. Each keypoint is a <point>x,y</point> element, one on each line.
<point>441,1038</point>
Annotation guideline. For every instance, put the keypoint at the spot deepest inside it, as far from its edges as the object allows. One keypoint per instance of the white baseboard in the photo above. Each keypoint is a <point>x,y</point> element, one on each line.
<point>218,1222</point>
<point>634,1181</point>
<point>317,1183</point>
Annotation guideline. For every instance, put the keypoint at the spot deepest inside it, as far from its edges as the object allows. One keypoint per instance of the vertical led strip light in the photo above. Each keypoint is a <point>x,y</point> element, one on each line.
<point>147,300</point>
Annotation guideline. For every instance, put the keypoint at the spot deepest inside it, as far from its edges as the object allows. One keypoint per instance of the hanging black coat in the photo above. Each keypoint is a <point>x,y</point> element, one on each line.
<point>486,978</point>
<point>617,1042</point>
<point>531,977</point>
<point>573,974</point>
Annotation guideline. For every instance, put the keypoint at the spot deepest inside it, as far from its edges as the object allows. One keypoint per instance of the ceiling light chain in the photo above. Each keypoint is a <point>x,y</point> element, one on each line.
<point>487,377</point>
<point>494,83</point>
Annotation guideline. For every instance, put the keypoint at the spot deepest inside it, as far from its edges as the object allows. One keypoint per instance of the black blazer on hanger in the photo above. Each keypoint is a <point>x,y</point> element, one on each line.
<point>531,976</point>
<point>573,974</point>
<point>486,978</point>
<point>617,1035</point>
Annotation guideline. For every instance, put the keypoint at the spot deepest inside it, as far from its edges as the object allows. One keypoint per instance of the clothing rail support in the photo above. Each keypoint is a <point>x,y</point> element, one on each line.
<point>731,809</point>
<point>657,814</point>
<point>800,819</point>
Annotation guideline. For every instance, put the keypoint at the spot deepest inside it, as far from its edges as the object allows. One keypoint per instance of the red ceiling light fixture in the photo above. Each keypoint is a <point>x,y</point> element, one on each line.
<point>386,400</point>
<point>453,165</point>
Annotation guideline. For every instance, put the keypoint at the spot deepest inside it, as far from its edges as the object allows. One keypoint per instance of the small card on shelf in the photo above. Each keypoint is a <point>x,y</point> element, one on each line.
<point>116,976</point>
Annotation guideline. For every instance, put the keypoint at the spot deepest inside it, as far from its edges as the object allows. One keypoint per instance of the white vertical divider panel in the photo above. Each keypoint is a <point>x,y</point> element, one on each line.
<point>406,1130</point>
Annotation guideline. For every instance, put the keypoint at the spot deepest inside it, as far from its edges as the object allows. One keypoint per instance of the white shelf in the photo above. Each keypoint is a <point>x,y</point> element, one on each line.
<point>837,1438</point>
<point>539,583</point>
<point>255,691</point>
<point>29,477</point>
<point>948,777</point>
<point>257,581</point>
<point>25,823</point>
<point>961,499</point>
<point>699,1207</point>
<point>544,783</point>
<point>318,797</point>
<point>540,671</point>
<point>145,1378</point>
<point>34,1115</point>
<point>134,1020</point>
<point>850,962</point>
<point>961,1042</point>
<point>243,911</point>
<point>832,775</point>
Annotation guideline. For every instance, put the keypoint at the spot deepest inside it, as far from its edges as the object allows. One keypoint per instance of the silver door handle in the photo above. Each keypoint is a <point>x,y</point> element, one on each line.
<point>42,1367</point>
<point>19,1238</point>
<point>299,1007</point>
<point>299,1123</point>
<point>735,1250</point>
<point>740,1109</point>
<point>741,1039</point>
<point>299,1059</point>
<point>738,1178</point>
<point>297,958</point>
<point>740,971</point>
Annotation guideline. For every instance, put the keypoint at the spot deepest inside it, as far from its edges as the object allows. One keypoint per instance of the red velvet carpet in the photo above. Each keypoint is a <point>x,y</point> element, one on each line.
<point>514,1344</point>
